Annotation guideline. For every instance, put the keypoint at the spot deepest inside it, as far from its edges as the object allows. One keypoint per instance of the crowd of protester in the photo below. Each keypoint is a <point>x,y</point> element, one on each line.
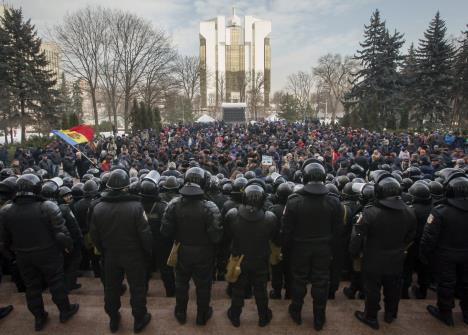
<point>123,204</point>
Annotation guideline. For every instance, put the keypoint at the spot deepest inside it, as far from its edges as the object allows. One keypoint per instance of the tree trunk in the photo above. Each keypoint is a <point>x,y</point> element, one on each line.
<point>95,111</point>
<point>22,122</point>
<point>5,131</point>
<point>126,106</point>
<point>11,136</point>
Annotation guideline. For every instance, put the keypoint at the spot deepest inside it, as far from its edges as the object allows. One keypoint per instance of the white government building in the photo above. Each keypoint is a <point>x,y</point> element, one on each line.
<point>234,52</point>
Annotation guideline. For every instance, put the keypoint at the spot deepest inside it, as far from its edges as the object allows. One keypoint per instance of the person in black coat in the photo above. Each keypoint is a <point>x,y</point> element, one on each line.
<point>35,231</point>
<point>194,222</point>
<point>251,229</point>
<point>444,242</point>
<point>119,229</point>
<point>311,219</point>
<point>383,233</point>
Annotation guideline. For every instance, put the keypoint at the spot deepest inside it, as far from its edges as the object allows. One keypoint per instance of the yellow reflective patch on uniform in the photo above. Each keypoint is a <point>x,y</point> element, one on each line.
<point>430,219</point>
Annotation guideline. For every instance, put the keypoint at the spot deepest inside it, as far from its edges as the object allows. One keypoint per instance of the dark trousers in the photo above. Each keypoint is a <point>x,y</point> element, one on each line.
<point>38,266</point>
<point>412,264</point>
<point>337,264</point>
<point>194,262</point>
<point>222,256</point>
<point>72,263</point>
<point>161,250</point>
<point>391,284</point>
<point>281,276</point>
<point>447,274</point>
<point>256,276</point>
<point>310,263</point>
<point>89,257</point>
<point>134,267</point>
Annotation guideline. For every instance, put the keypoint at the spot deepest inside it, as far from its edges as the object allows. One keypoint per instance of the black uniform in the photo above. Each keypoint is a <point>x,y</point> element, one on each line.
<point>422,209</point>
<point>310,221</point>
<point>383,233</point>
<point>251,231</point>
<point>195,224</point>
<point>154,209</point>
<point>120,231</point>
<point>444,242</point>
<point>36,232</point>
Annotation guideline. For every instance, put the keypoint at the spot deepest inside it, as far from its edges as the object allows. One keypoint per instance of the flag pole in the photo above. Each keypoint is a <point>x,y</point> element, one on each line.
<point>82,154</point>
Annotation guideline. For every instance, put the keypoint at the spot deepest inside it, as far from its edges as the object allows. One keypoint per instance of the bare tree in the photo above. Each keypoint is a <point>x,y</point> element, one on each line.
<point>335,73</point>
<point>187,75</point>
<point>81,41</point>
<point>300,85</point>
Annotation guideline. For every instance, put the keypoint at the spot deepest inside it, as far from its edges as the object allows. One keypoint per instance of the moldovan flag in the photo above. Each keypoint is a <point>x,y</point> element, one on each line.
<point>76,135</point>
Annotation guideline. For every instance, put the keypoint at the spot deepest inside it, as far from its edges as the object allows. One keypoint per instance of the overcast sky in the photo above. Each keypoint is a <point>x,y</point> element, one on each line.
<point>302,30</point>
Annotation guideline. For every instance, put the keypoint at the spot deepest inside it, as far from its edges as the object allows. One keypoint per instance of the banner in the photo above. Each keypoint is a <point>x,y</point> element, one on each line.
<point>76,135</point>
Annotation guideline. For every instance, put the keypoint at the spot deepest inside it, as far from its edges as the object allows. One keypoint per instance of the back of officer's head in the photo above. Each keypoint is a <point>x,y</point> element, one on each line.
<point>118,180</point>
<point>387,187</point>
<point>314,172</point>
<point>420,192</point>
<point>254,196</point>
<point>28,184</point>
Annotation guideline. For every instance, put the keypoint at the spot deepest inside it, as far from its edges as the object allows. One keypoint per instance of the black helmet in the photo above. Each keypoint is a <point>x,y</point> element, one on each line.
<point>297,177</point>
<point>134,179</point>
<point>413,172</point>
<point>257,181</point>
<point>238,185</point>
<point>220,176</point>
<point>105,177</point>
<point>358,170</point>
<point>456,192</point>
<point>350,176</point>
<point>142,172</point>
<point>90,188</point>
<point>269,179</point>
<point>254,195</point>
<point>397,176</point>
<point>118,180</point>
<point>240,175</point>
<point>340,182</point>
<point>149,188</point>
<point>213,185</point>
<point>227,188</point>
<point>68,181</point>
<point>135,187</point>
<point>332,189</point>
<point>313,172</point>
<point>196,175</point>
<point>420,192</point>
<point>42,174</point>
<point>94,171</point>
<point>283,192</point>
<point>86,177</point>
<point>278,181</point>
<point>64,190</point>
<point>378,175</point>
<point>28,171</point>
<point>77,191</point>
<point>387,186</point>
<point>385,167</point>
<point>171,183</point>
<point>8,186</point>
<point>50,189</point>
<point>448,174</point>
<point>29,184</point>
<point>250,175</point>
<point>5,173</point>
<point>348,192</point>
<point>406,184</point>
<point>437,189</point>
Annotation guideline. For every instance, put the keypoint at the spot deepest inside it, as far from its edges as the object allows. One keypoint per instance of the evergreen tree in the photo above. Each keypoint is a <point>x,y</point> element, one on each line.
<point>135,116</point>
<point>66,107</point>
<point>73,120</point>
<point>289,108</point>
<point>376,89</point>
<point>29,84</point>
<point>434,65</point>
<point>157,123</point>
<point>460,87</point>
<point>409,82</point>
<point>76,101</point>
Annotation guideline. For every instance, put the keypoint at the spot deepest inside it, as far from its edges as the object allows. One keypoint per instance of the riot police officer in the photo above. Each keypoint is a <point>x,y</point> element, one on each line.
<point>154,209</point>
<point>444,242</point>
<point>310,220</point>
<point>251,229</point>
<point>280,272</point>
<point>383,233</point>
<point>50,191</point>
<point>422,205</point>
<point>37,233</point>
<point>194,222</point>
<point>170,189</point>
<point>119,229</point>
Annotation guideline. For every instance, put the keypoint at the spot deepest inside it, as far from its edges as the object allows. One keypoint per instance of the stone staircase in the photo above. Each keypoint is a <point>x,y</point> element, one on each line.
<point>91,319</point>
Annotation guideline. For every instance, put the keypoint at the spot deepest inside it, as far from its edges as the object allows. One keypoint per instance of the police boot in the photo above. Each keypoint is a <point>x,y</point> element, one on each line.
<point>68,314</point>
<point>275,295</point>
<point>265,318</point>
<point>203,317</point>
<point>361,316</point>
<point>114,323</point>
<point>389,317</point>
<point>233,315</point>
<point>140,324</point>
<point>445,317</point>
<point>295,313</point>
<point>180,315</point>
<point>4,311</point>
<point>40,321</point>
<point>319,319</point>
